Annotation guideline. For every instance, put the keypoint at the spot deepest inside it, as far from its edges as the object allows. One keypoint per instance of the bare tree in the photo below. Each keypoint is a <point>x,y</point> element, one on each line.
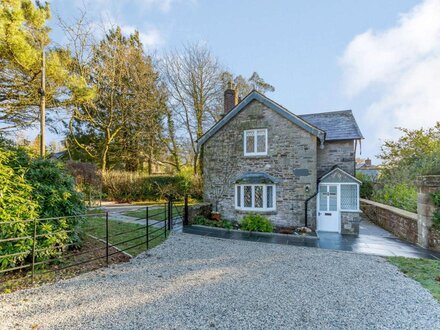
<point>193,78</point>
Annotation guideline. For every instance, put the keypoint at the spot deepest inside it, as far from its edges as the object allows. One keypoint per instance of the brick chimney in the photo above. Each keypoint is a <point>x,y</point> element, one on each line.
<point>368,162</point>
<point>231,97</point>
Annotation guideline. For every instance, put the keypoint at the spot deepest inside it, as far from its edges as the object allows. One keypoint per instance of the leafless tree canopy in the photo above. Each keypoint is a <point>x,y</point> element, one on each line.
<point>193,77</point>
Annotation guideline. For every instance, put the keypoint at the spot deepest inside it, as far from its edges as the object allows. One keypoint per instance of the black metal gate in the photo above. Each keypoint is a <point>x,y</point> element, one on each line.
<point>177,213</point>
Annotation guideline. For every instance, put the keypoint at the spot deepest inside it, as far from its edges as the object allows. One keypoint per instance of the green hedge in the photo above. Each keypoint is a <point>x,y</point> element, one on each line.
<point>127,187</point>
<point>29,189</point>
<point>402,196</point>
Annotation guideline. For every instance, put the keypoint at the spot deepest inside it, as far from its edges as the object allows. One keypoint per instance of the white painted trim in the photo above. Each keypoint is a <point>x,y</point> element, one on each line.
<point>338,201</point>
<point>255,153</point>
<point>339,193</point>
<point>253,208</point>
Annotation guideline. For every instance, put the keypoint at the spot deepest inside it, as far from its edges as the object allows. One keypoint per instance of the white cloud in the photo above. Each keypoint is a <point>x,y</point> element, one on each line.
<point>151,38</point>
<point>400,68</point>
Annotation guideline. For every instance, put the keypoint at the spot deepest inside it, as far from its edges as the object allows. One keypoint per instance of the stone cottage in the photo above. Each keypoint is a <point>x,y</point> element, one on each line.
<point>298,170</point>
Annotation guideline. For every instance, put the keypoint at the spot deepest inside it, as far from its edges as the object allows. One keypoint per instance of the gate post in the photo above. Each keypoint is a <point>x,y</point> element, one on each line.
<point>170,213</point>
<point>34,243</point>
<point>106,239</point>
<point>185,214</point>
<point>146,227</point>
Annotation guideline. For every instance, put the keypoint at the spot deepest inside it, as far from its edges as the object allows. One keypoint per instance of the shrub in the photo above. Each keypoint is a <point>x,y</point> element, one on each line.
<point>436,217</point>
<point>33,188</point>
<point>87,178</point>
<point>402,196</point>
<point>201,220</point>
<point>128,186</point>
<point>54,189</point>
<point>256,222</point>
<point>366,188</point>
<point>15,204</point>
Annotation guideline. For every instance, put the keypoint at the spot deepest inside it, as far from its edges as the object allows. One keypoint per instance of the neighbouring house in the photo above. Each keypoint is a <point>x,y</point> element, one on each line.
<point>298,170</point>
<point>368,169</point>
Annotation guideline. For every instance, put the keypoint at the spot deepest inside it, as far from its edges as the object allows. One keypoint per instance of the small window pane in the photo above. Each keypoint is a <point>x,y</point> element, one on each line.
<point>269,195</point>
<point>250,141</point>
<point>238,196</point>
<point>258,196</point>
<point>247,196</point>
<point>261,141</point>
<point>333,198</point>
<point>323,199</point>
<point>349,197</point>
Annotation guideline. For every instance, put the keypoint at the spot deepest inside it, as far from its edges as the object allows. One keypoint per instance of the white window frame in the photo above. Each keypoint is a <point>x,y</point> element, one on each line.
<point>253,208</point>
<point>255,131</point>
<point>340,197</point>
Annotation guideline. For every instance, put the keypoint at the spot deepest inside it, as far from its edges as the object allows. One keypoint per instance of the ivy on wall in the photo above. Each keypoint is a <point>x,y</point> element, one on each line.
<point>436,217</point>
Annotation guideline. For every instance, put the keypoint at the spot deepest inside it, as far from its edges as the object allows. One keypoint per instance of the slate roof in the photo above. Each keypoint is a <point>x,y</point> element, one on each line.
<point>254,95</point>
<point>328,126</point>
<point>336,168</point>
<point>338,125</point>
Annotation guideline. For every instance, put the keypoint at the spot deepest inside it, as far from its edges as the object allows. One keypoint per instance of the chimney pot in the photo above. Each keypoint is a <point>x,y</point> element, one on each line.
<point>230,97</point>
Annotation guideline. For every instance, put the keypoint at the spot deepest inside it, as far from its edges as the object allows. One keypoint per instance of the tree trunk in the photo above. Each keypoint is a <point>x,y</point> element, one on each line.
<point>43,104</point>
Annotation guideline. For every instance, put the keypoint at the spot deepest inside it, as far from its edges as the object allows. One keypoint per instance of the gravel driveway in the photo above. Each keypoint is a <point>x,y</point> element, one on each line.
<point>192,282</point>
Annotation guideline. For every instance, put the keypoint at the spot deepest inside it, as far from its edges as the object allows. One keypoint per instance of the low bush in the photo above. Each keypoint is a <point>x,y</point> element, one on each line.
<point>256,222</point>
<point>201,220</point>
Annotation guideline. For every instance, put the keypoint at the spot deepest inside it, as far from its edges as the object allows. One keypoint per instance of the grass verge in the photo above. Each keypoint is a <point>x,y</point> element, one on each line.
<point>158,214</point>
<point>119,232</point>
<point>424,271</point>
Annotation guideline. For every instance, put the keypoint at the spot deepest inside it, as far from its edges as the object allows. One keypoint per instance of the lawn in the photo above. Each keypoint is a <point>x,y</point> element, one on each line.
<point>158,214</point>
<point>119,232</point>
<point>424,271</point>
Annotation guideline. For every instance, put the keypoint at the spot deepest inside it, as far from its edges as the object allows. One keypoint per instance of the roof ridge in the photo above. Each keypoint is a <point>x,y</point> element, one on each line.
<point>327,112</point>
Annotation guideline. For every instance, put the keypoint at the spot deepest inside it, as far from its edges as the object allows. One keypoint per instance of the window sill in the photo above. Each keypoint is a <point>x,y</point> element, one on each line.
<point>267,212</point>
<point>256,156</point>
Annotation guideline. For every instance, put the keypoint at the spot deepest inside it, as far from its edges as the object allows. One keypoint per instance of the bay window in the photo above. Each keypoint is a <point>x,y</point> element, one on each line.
<point>255,197</point>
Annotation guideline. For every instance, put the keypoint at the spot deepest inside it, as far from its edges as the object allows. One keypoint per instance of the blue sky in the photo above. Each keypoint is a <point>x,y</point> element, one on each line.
<point>320,55</point>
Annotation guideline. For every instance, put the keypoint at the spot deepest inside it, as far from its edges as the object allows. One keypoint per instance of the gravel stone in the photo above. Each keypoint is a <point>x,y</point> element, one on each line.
<point>195,282</point>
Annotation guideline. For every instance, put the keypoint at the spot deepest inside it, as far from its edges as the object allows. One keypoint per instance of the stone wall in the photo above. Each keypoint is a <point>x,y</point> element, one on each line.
<point>429,237</point>
<point>290,148</point>
<point>402,224</point>
<point>350,223</point>
<point>339,153</point>
<point>202,209</point>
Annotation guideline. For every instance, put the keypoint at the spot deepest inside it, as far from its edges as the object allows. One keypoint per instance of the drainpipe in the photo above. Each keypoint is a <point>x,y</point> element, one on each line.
<point>306,206</point>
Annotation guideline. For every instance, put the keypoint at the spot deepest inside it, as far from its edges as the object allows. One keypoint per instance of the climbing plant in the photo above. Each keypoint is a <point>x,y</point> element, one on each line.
<point>436,217</point>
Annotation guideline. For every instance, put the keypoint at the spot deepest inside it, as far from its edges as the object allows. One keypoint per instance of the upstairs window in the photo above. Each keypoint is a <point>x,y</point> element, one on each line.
<point>255,142</point>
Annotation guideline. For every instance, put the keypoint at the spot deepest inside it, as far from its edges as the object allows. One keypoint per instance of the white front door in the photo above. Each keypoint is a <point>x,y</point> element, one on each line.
<point>328,213</point>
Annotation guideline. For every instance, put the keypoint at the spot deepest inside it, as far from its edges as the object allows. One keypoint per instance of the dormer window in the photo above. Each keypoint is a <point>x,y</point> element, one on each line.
<point>255,142</point>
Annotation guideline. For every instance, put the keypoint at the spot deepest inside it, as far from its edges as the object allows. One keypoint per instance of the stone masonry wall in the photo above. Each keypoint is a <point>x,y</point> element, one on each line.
<point>339,153</point>
<point>401,223</point>
<point>202,209</point>
<point>289,148</point>
<point>350,223</point>
<point>429,237</point>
